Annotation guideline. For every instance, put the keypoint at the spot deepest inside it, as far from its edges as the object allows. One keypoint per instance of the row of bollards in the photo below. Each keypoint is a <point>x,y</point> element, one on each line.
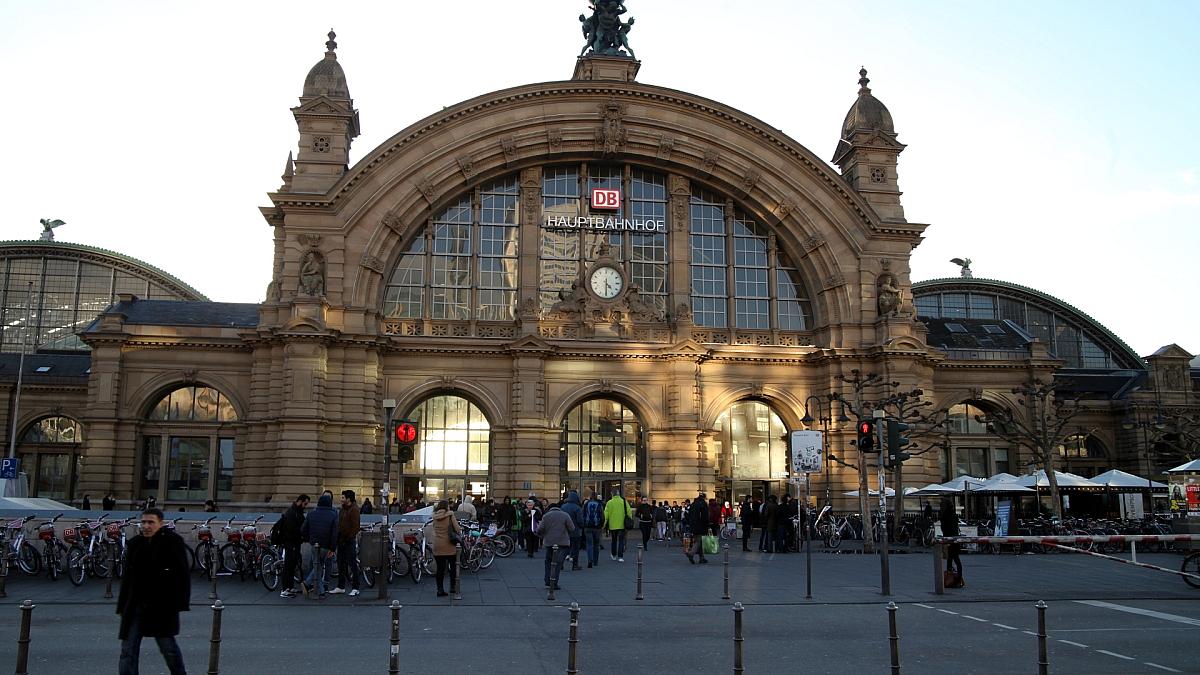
<point>894,638</point>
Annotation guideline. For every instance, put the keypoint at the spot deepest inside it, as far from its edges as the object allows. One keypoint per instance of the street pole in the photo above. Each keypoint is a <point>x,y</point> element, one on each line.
<point>807,542</point>
<point>885,575</point>
<point>381,575</point>
<point>12,437</point>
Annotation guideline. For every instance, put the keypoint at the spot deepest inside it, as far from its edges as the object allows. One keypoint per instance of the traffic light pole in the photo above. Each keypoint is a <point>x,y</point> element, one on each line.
<point>885,574</point>
<point>381,575</point>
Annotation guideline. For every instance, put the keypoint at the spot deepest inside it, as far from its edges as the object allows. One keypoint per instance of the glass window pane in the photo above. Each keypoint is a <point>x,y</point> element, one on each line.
<point>151,460</point>
<point>224,468</point>
<point>187,468</point>
<point>53,476</point>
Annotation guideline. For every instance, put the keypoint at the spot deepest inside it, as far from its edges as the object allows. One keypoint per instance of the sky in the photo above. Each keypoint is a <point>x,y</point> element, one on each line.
<point>1053,143</point>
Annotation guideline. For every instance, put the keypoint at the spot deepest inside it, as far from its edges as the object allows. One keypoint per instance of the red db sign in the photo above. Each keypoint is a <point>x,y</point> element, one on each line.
<point>603,198</point>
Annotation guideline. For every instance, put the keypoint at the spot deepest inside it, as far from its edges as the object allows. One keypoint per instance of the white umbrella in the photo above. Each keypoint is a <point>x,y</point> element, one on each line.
<point>931,490</point>
<point>1193,465</point>
<point>962,483</point>
<point>1120,479</point>
<point>999,485</point>
<point>873,493</point>
<point>1064,480</point>
<point>1003,477</point>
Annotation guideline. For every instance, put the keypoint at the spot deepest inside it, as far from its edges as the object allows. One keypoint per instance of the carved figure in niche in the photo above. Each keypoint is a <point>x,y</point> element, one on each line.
<point>683,313</point>
<point>273,291</point>
<point>640,310</point>
<point>889,295</point>
<point>570,301</point>
<point>312,273</point>
<point>528,310</point>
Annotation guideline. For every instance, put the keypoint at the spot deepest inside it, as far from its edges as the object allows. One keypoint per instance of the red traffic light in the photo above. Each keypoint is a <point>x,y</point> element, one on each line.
<point>866,428</point>
<point>406,432</point>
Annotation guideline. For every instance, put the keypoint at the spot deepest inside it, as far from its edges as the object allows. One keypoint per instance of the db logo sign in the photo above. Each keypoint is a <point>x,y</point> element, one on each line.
<point>606,199</point>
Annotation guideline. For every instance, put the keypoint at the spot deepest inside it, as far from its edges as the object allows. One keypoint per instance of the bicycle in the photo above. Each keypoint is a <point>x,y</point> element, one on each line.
<point>232,553</point>
<point>271,564</point>
<point>1191,565</point>
<point>87,556</point>
<point>17,550</point>
<point>54,552</point>
<point>206,558</point>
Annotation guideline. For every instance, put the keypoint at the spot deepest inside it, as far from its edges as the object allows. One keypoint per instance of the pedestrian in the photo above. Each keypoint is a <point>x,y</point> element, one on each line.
<point>86,505</point>
<point>533,518</point>
<point>645,520</point>
<point>714,517</point>
<point>155,588</point>
<point>320,530</point>
<point>555,532</point>
<point>697,523</point>
<point>367,508</point>
<point>290,537</point>
<point>949,518</point>
<point>660,520</point>
<point>109,503</point>
<point>444,532</point>
<point>347,546</point>
<point>574,509</point>
<point>210,506</point>
<point>767,517</point>
<point>466,510</point>
<point>676,519</point>
<point>151,502</point>
<point>505,513</point>
<point>783,524</point>
<point>593,522</point>
<point>747,513</point>
<point>617,518</point>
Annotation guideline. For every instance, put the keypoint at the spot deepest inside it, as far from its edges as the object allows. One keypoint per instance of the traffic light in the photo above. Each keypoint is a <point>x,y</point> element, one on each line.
<point>896,443</point>
<point>405,433</point>
<point>866,436</point>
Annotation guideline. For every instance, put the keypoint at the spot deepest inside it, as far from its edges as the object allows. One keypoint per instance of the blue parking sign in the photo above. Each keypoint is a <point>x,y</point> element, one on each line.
<point>9,466</point>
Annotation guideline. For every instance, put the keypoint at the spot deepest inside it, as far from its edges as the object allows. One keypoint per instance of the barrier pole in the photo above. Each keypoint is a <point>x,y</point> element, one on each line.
<point>214,643</point>
<point>738,667</point>
<point>1133,550</point>
<point>553,571</point>
<point>1043,662</point>
<point>939,562</point>
<point>112,565</point>
<point>573,640</point>
<point>458,573</point>
<point>639,573</point>
<point>725,596</point>
<point>4,565</point>
<point>23,641</point>
<point>394,651</point>
<point>893,637</point>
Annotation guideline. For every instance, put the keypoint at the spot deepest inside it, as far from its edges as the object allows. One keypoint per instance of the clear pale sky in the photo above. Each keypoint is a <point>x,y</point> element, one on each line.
<point>1054,143</point>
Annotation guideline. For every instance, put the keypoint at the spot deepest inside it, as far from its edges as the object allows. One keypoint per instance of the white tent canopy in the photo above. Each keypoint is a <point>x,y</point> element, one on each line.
<point>1001,484</point>
<point>1064,480</point>
<point>962,483</point>
<point>1120,479</point>
<point>933,489</point>
<point>1193,465</point>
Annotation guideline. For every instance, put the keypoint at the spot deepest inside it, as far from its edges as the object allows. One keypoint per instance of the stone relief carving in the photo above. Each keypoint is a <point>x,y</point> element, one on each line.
<point>683,313</point>
<point>638,309</point>
<point>273,293</point>
<point>372,263</point>
<point>834,280</point>
<point>888,294</point>
<point>528,310</point>
<point>189,376</point>
<point>312,273</point>
<point>666,145</point>
<point>391,220</point>
<point>425,187</point>
<point>554,139</point>
<point>812,243</point>
<point>310,240</point>
<point>467,166</point>
<point>611,137</point>
<point>749,180</point>
<point>710,161</point>
<point>508,145</point>
<point>783,209</point>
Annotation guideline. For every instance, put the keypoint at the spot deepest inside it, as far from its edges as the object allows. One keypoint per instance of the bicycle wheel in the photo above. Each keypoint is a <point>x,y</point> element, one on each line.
<point>368,575</point>
<point>487,556</point>
<point>29,560</point>
<point>230,557</point>
<point>207,558</point>
<point>401,565</point>
<point>1191,565</point>
<point>835,538</point>
<point>100,561</point>
<point>505,546</point>
<point>77,565</point>
<point>269,570</point>
<point>902,535</point>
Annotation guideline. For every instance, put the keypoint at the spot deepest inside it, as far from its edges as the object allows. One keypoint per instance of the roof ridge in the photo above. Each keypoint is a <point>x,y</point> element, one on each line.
<point>96,249</point>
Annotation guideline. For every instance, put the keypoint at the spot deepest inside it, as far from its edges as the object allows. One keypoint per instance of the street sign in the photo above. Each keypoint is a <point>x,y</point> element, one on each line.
<point>808,451</point>
<point>9,467</point>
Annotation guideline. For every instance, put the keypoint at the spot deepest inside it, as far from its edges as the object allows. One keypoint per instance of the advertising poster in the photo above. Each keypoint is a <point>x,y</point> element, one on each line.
<point>1177,495</point>
<point>1193,499</point>
<point>1003,513</point>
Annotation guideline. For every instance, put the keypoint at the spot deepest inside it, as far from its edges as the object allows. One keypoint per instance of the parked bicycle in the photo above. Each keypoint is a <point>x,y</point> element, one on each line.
<point>54,551</point>
<point>16,550</point>
<point>207,559</point>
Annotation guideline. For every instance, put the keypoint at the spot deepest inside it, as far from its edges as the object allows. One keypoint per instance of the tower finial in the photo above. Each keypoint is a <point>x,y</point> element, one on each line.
<point>863,81</point>
<point>331,45</point>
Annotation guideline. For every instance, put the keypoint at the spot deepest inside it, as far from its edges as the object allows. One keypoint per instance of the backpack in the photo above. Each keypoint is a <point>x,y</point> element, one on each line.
<point>593,513</point>
<point>276,537</point>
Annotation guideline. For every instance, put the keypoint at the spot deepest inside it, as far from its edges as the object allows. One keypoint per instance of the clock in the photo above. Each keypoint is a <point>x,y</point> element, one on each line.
<point>606,282</point>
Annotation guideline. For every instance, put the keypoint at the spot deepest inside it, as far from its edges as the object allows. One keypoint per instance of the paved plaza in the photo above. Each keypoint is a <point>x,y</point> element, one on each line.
<point>1102,618</point>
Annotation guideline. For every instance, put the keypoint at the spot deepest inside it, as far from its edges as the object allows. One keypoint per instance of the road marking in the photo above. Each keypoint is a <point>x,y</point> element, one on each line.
<point>1000,625</point>
<point>923,605</point>
<point>946,611</point>
<point>1155,665</point>
<point>1119,656</point>
<point>1144,612</point>
<point>1029,632</point>
<point>974,618</point>
<point>1073,644</point>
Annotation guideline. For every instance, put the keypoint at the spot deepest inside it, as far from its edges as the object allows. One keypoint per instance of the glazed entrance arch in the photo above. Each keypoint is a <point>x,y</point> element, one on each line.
<point>389,196</point>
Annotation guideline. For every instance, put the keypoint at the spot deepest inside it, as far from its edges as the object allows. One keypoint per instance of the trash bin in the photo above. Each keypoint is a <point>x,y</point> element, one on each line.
<point>370,551</point>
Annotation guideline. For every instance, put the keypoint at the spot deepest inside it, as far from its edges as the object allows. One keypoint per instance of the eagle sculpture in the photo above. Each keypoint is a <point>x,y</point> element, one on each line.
<point>965,264</point>
<point>48,228</point>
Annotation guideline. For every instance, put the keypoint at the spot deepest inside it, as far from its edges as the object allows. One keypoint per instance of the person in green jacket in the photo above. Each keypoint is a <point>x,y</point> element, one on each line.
<point>615,513</point>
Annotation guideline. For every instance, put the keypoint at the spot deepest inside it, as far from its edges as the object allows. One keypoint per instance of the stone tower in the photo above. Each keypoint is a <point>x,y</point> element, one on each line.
<point>868,151</point>
<point>327,122</point>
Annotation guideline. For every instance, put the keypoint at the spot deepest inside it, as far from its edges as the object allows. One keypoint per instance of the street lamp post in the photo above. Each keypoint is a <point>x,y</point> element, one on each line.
<point>824,416</point>
<point>389,407</point>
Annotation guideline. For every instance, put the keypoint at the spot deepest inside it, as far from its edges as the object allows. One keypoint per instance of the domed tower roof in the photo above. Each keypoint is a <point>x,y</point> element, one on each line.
<point>327,77</point>
<point>867,112</point>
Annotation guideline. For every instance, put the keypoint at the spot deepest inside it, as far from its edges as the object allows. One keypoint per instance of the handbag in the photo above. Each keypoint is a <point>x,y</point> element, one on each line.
<point>628,518</point>
<point>710,544</point>
<point>453,536</point>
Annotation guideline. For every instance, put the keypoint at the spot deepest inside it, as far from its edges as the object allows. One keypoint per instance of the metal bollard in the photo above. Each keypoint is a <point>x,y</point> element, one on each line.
<point>112,566</point>
<point>458,572</point>
<point>553,571</point>
<point>4,565</point>
<point>939,561</point>
<point>23,641</point>
<point>573,640</point>
<point>726,594</point>
<point>639,574</point>
<point>394,653</point>
<point>1043,661</point>
<point>737,638</point>
<point>893,637</point>
<point>214,643</point>
<point>210,556</point>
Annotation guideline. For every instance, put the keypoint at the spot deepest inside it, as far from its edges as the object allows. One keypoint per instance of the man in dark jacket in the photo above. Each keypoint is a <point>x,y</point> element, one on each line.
<point>573,508</point>
<point>697,524</point>
<point>767,520</point>
<point>347,548</point>
<point>555,530</point>
<point>155,589</point>
<point>292,522</point>
<point>747,513</point>
<point>320,529</point>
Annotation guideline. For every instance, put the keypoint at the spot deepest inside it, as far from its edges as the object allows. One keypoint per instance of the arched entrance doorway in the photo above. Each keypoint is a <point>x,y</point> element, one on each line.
<point>454,450</point>
<point>602,449</point>
<point>751,452</point>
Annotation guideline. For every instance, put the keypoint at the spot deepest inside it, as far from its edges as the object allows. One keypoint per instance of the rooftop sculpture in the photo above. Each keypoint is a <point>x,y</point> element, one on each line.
<point>604,32</point>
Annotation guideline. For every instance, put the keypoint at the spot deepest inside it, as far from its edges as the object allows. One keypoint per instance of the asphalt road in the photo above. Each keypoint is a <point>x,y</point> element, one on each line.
<point>1102,618</point>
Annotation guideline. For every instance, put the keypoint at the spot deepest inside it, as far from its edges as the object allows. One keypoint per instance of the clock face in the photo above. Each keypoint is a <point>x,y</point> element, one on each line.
<point>606,282</point>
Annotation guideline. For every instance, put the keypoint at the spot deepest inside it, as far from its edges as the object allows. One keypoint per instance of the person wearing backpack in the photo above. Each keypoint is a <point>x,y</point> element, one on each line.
<point>593,521</point>
<point>618,517</point>
<point>286,533</point>
<point>574,509</point>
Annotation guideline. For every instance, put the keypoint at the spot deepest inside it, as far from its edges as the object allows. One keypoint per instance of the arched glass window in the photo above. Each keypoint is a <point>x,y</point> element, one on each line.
<point>454,450</point>
<point>749,443</point>
<point>187,446</point>
<point>1082,446</point>
<point>49,450</point>
<point>602,449</point>
<point>737,271</point>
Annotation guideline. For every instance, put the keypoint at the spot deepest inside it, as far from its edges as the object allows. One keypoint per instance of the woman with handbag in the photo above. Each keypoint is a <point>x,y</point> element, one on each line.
<point>445,537</point>
<point>949,518</point>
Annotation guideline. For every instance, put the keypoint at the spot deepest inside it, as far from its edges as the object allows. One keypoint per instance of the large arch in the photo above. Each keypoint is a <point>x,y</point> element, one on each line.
<point>648,414</point>
<point>475,393</point>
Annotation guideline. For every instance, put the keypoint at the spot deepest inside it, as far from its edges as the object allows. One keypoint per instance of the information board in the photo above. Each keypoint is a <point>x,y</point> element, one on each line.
<point>808,451</point>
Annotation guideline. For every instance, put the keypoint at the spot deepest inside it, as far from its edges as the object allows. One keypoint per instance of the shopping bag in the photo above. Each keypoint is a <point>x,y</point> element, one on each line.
<point>710,544</point>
